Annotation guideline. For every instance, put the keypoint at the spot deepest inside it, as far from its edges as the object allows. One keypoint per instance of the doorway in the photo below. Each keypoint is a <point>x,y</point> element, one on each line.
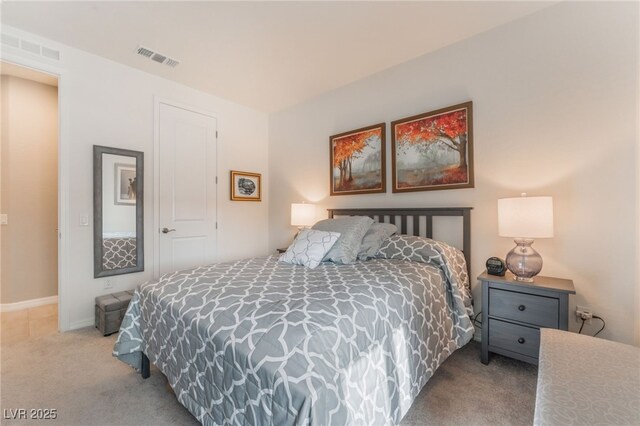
<point>29,208</point>
<point>185,187</point>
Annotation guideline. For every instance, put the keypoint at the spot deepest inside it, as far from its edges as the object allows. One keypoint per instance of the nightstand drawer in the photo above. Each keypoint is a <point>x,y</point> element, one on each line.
<point>532,309</point>
<point>514,338</point>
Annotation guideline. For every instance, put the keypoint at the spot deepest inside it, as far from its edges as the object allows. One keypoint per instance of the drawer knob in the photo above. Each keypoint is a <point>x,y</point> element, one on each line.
<point>522,308</point>
<point>521,340</point>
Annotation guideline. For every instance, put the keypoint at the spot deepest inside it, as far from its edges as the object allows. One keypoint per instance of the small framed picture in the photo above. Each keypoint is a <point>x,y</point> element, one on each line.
<point>125,184</point>
<point>246,186</point>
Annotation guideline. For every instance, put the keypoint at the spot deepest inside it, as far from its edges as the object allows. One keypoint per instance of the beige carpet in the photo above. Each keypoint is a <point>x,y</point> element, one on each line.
<point>75,373</point>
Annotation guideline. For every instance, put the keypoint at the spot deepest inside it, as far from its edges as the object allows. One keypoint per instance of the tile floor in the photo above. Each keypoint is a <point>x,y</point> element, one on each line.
<point>19,326</point>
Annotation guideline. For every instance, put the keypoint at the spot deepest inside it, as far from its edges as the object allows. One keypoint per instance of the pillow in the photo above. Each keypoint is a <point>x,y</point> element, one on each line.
<point>352,229</point>
<point>374,238</point>
<point>309,248</point>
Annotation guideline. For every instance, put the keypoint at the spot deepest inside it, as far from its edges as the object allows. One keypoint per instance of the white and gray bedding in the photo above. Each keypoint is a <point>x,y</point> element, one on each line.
<point>374,238</point>
<point>119,252</point>
<point>259,341</point>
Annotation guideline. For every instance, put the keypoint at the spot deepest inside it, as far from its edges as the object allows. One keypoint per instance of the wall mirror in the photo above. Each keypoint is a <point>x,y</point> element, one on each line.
<point>118,246</point>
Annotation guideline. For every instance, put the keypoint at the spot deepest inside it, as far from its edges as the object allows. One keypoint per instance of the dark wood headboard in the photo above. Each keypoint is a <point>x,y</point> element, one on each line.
<point>400,217</point>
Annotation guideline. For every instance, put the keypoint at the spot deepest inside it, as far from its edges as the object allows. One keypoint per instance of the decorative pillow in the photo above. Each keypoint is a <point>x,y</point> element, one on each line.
<point>352,229</point>
<point>374,238</point>
<point>309,248</point>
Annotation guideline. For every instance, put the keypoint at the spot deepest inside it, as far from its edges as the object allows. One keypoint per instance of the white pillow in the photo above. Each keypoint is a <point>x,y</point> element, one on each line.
<point>309,248</point>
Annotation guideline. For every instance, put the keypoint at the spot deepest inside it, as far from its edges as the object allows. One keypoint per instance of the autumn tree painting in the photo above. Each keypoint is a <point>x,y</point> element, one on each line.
<point>433,150</point>
<point>357,161</point>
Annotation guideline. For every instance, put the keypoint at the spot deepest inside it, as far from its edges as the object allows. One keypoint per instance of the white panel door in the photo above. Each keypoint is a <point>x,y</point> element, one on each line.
<point>187,188</point>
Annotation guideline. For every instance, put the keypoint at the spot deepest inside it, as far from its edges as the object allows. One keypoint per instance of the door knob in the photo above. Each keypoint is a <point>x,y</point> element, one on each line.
<point>167,230</point>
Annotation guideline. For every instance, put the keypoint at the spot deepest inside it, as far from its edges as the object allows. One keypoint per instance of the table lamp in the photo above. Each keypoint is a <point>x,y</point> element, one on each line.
<point>303,215</point>
<point>525,218</point>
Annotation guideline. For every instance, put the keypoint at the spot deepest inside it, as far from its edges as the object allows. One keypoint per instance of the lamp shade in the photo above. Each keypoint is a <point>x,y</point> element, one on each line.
<point>303,214</point>
<point>525,217</point>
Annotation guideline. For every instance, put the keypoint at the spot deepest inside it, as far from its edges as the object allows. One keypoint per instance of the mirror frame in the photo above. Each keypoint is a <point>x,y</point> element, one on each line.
<point>98,270</point>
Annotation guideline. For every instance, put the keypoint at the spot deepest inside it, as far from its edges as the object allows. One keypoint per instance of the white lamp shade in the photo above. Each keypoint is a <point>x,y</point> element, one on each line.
<point>525,217</point>
<point>303,214</point>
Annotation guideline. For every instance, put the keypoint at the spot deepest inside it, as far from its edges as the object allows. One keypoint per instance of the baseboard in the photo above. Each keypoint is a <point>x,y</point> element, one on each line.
<point>26,304</point>
<point>82,324</point>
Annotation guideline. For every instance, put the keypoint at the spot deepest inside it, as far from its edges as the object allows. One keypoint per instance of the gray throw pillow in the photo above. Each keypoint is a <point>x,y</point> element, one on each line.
<point>309,248</point>
<point>374,238</point>
<point>352,229</point>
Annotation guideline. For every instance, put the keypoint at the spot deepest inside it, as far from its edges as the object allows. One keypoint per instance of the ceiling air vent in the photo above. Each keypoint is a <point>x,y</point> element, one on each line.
<point>172,62</point>
<point>145,52</point>
<point>157,57</point>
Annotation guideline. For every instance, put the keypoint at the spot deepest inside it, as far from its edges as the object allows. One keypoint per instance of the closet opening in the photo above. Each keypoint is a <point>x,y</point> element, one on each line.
<point>29,197</point>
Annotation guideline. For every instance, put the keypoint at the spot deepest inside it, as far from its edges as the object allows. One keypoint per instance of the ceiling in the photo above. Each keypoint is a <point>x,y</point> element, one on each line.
<point>266,55</point>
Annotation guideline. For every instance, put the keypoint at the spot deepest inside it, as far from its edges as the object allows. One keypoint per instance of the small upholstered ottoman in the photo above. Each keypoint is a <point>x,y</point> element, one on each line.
<point>110,309</point>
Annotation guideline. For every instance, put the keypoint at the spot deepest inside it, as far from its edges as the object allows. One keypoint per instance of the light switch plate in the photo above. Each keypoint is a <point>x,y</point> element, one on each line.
<point>4,219</point>
<point>84,219</point>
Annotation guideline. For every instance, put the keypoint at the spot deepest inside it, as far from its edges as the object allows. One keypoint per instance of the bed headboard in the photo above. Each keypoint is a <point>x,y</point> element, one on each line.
<point>402,217</point>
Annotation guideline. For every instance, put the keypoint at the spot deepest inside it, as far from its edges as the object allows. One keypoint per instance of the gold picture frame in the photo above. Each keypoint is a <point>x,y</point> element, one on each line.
<point>246,186</point>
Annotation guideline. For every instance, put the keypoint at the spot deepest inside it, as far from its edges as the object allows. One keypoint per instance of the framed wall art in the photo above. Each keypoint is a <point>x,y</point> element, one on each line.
<point>246,186</point>
<point>434,150</point>
<point>125,184</point>
<point>358,161</point>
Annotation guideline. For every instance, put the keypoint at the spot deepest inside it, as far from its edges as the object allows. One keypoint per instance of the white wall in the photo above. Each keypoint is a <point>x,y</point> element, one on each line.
<point>555,114</point>
<point>105,103</point>
<point>29,190</point>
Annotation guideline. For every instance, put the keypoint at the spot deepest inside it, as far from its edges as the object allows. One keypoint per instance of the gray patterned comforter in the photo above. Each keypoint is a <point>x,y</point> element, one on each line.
<point>262,342</point>
<point>118,253</point>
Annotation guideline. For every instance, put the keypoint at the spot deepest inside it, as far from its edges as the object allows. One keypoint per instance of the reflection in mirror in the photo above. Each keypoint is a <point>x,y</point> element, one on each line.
<point>118,211</point>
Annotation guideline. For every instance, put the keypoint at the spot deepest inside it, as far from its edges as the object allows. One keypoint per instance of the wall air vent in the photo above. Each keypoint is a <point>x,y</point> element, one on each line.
<point>10,40</point>
<point>157,57</point>
<point>30,47</point>
<point>50,53</point>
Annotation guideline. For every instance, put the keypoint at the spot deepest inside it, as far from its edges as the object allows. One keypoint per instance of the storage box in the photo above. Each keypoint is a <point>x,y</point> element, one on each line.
<point>110,310</point>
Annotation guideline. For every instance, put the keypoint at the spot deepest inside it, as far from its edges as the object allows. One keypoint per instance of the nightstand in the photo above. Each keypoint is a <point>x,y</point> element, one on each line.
<point>513,313</point>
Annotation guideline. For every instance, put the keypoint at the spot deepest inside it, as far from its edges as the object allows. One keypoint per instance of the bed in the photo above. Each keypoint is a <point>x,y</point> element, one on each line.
<point>257,341</point>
